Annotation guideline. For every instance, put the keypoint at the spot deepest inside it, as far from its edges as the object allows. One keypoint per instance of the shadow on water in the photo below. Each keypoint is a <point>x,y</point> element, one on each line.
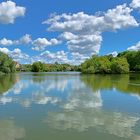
<point>124,83</point>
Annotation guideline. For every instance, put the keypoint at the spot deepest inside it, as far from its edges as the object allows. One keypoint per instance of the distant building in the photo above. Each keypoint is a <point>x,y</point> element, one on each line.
<point>17,66</point>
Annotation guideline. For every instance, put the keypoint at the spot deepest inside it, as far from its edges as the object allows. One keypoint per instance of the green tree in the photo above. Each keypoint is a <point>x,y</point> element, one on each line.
<point>119,65</point>
<point>38,67</point>
<point>105,65</point>
<point>7,65</point>
<point>133,58</point>
<point>96,65</point>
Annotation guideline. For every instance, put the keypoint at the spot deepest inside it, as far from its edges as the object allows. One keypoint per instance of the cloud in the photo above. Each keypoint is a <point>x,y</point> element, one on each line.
<point>16,54</point>
<point>135,4</point>
<point>85,44</point>
<point>24,40</point>
<point>114,54</point>
<point>4,50</point>
<point>38,44</point>
<point>113,19</point>
<point>68,36</point>
<point>83,32</point>
<point>80,32</point>
<point>41,43</point>
<point>6,42</point>
<point>46,56</point>
<point>9,11</point>
<point>135,47</point>
<point>78,58</point>
<point>81,46</point>
<point>52,57</point>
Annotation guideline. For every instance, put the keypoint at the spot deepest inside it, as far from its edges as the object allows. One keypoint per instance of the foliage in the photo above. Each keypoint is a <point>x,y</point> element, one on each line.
<point>105,65</point>
<point>7,65</point>
<point>133,58</point>
<point>38,67</point>
<point>42,67</point>
<point>125,61</point>
<point>119,65</point>
<point>25,67</point>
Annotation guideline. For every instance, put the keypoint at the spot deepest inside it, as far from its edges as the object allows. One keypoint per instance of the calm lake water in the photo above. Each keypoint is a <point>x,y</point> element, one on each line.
<point>69,106</point>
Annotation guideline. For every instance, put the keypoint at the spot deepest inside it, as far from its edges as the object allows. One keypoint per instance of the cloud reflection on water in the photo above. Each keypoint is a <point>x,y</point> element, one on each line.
<point>9,131</point>
<point>81,107</point>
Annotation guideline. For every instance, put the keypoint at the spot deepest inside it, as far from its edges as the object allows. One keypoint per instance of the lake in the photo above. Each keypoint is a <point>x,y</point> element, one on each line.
<point>69,106</point>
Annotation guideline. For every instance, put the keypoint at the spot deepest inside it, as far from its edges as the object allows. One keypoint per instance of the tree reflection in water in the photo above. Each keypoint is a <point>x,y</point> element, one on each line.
<point>78,99</point>
<point>7,81</point>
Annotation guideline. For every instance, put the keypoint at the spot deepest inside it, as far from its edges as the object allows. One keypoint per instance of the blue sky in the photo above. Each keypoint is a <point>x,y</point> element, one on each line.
<point>83,28</point>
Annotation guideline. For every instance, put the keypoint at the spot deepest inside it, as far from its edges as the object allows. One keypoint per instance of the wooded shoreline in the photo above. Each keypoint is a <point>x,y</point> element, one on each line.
<point>124,63</point>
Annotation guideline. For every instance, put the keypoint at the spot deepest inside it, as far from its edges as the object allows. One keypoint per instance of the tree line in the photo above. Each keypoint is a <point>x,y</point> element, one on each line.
<point>43,67</point>
<point>125,62</point>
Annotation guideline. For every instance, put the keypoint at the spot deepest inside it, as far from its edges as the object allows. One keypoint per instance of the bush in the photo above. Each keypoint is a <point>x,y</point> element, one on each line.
<point>7,65</point>
<point>137,68</point>
<point>89,70</point>
<point>5,69</point>
<point>133,58</point>
<point>105,65</point>
<point>119,65</point>
<point>38,67</point>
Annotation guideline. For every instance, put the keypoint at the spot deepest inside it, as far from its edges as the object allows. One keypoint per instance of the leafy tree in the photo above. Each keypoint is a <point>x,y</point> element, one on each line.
<point>96,65</point>
<point>87,67</point>
<point>7,65</point>
<point>38,67</point>
<point>102,65</point>
<point>133,58</point>
<point>105,65</point>
<point>119,65</point>
<point>25,67</point>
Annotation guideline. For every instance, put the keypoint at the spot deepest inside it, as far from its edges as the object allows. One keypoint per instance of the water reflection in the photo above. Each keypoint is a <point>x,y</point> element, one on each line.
<point>83,109</point>
<point>77,100</point>
<point>7,82</point>
<point>114,123</point>
<point>125,83</point>
<point>9,131</point>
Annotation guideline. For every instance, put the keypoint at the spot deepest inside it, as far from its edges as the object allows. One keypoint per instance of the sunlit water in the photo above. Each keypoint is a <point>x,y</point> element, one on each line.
<point>69,106</point>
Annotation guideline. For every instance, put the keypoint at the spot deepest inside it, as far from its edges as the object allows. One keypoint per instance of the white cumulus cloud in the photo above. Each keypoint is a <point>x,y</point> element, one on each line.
<point>9,11</point>
<point>26,39</point>
<point>135,47</point>
<point>135,4</point>
<point>6,42</point>
<point>83,32</point>
<point>52,57</point>
<point>41,43</point>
